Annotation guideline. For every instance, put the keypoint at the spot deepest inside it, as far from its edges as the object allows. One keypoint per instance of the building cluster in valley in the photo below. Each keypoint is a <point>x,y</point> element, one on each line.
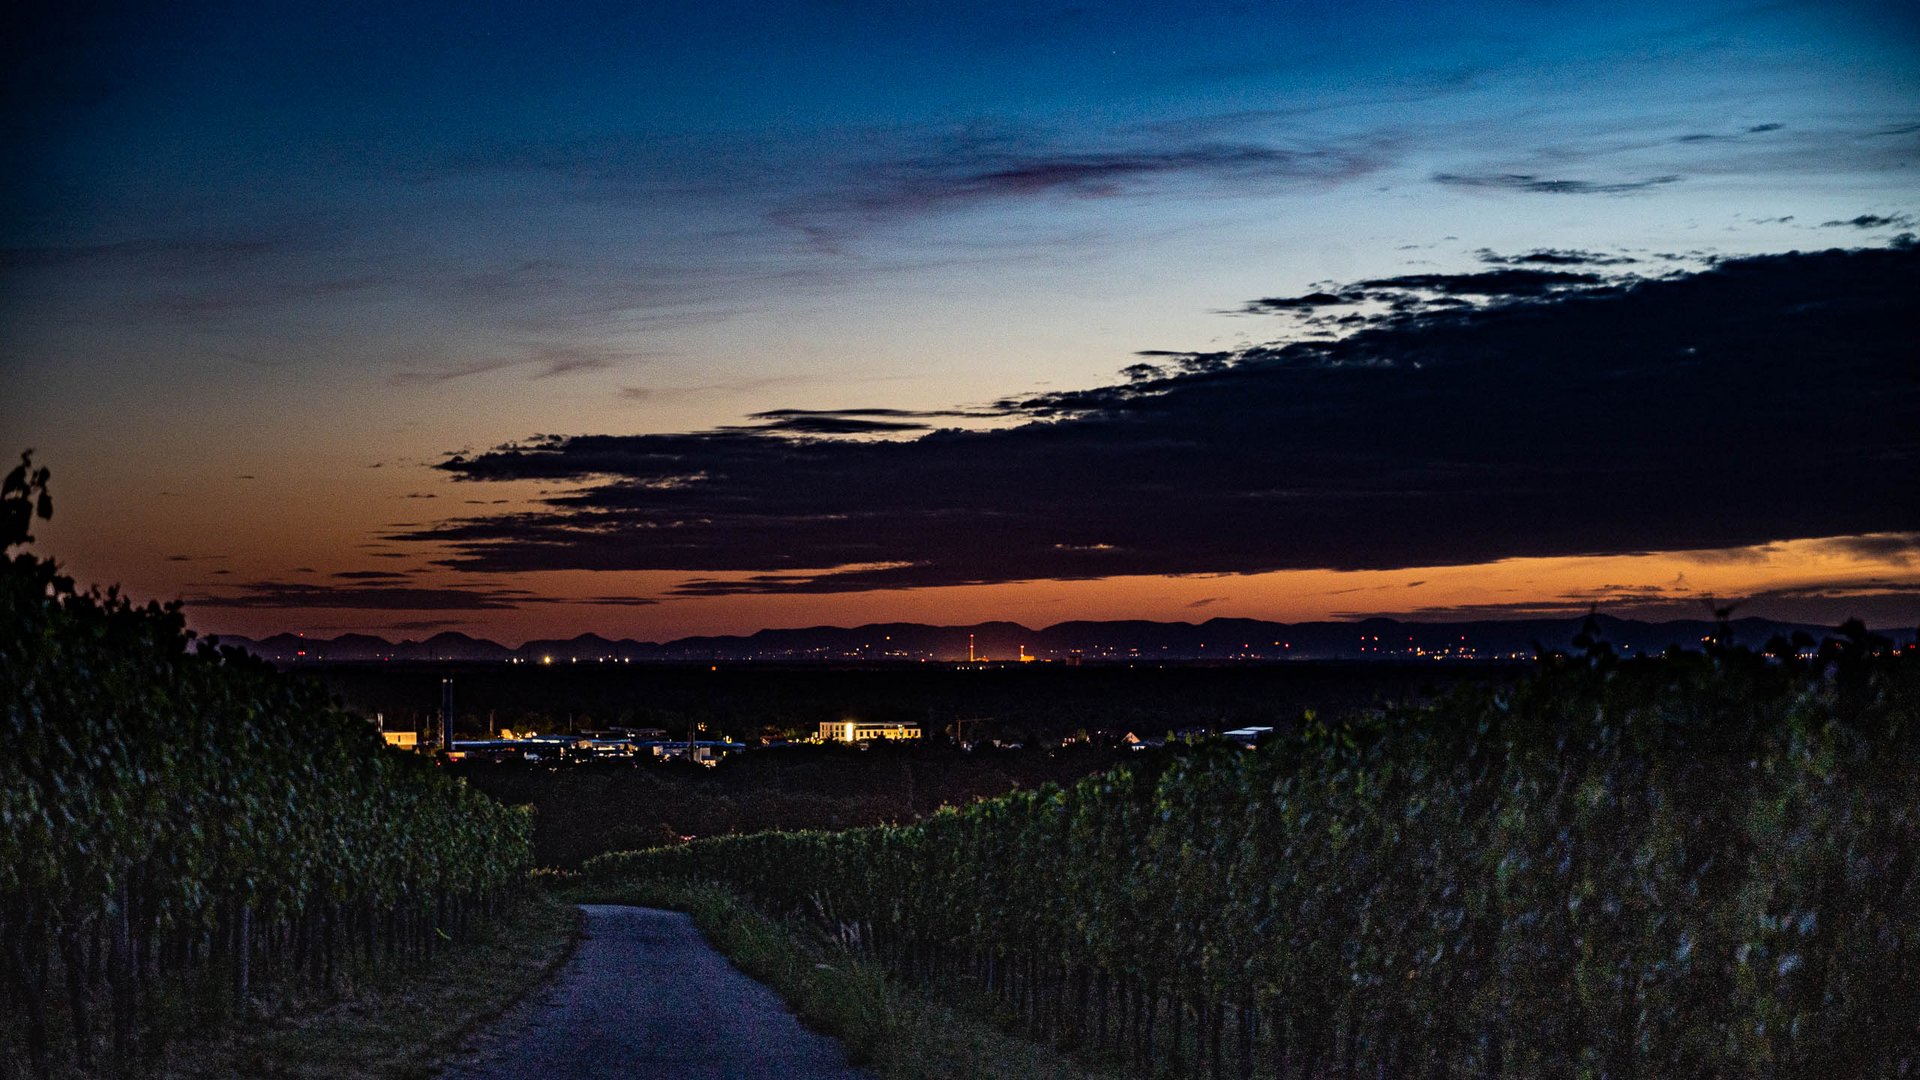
<point>642,745</point>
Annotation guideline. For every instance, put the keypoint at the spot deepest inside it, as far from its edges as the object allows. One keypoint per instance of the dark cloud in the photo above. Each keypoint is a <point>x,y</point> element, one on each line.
<point>1759,399</point>
<point>1554,257</point>
<point>852,421</point>
<point>1439,289</point>
<point>1543,185</point>
<point>1892,547</point>
<point>1670,601</point>
<point>838,425</point>
<point>370,575</point>
<point>961,172</point>
<point>1881,602</point>
<point>1307,302</point>
<point>1840,589</point>
<point>818,422</point>
<point>785,414</point>
<point>1702,137</point>
<point>1535,609</point>
<point>1103,173</point>
<point>1513,282</point>
<point>1873,221</point>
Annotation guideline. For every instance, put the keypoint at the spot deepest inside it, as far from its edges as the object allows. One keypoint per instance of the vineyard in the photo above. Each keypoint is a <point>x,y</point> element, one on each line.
<point>1706,864</point>
<point>184,826</point>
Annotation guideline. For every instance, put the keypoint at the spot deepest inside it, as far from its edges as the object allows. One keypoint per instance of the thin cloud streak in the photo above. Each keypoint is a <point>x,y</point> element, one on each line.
<point>1533,184</point>
<point>375,591</point>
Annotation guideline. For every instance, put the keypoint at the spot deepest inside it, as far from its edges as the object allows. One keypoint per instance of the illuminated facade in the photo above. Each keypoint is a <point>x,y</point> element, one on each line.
<point>860,731</point>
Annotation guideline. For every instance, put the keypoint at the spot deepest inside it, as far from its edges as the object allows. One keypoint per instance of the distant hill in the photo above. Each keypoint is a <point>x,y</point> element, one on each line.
<point>1223,640</point>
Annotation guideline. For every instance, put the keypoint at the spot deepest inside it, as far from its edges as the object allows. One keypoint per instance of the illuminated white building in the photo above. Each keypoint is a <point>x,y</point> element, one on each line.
<point>861,731</point>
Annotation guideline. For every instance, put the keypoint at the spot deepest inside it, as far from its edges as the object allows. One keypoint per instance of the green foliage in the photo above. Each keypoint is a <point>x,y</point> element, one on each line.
<point>167,809</point>
<point>398,1024</point>
<point>1700,865</point>
<point>834,987</point>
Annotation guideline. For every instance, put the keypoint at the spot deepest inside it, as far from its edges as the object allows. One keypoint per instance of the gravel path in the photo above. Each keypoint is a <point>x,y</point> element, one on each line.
<point>645,996</point>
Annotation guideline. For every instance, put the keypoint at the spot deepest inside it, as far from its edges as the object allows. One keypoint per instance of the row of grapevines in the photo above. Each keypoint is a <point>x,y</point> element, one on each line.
<point>1698,865</point>
<point>175,816</point>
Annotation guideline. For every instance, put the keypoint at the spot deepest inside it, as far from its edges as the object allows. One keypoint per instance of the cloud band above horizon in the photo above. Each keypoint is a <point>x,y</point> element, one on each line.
<point>1470,420</point>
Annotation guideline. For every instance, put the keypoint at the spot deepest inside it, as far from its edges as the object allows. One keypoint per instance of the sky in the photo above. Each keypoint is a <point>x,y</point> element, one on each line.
<point>663,319</point>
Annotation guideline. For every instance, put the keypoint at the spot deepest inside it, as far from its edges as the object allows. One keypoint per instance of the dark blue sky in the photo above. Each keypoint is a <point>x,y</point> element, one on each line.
<point>292,241</point>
